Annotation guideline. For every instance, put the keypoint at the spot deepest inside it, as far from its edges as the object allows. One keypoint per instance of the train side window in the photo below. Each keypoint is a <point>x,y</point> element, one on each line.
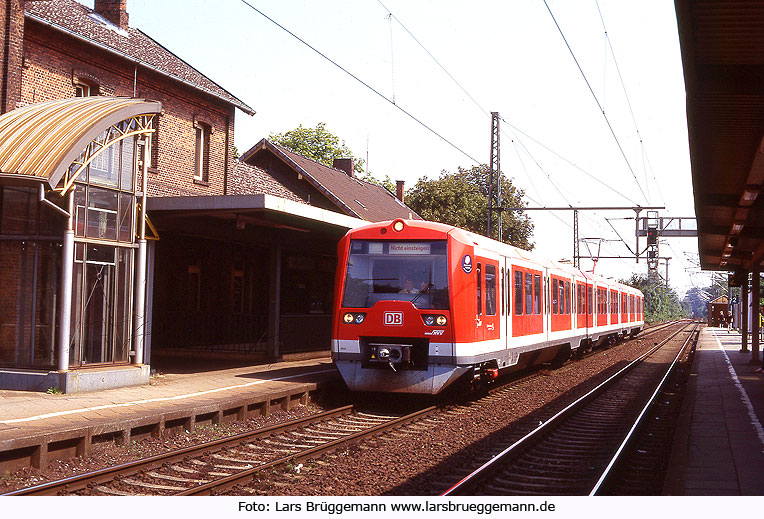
<point>567,297</point>
<point>562,297</point>
<point>502,288</point>
<point>528,293</point>
<point>508,290</point>
<point>518,293</point>
<point>589,300</point>
<point>490,290</point>
<point>536,294</point>
<point>479,289</point>
<point>555,289</point>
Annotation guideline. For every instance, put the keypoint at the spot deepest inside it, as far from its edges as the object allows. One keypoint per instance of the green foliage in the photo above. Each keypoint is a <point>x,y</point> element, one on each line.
<point>461,199</point>
<point>386,182</point>
<point>696,300</point>
<point>661,303</point>
<point>317,144</point>
<point>54,391</point>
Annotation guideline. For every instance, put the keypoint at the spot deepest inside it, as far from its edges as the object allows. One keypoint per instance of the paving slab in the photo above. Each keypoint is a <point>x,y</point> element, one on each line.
<point>29,419</point>
<point>720,446</point>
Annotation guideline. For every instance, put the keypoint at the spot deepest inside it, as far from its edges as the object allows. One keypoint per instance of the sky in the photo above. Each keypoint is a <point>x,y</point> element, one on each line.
<point>590,93</point>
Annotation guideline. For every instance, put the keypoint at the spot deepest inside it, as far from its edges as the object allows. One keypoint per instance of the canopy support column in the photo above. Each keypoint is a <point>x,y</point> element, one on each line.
<point>65,303</point>
<point>274,302</point>
<point>744,310</point>
<point>755,309</point>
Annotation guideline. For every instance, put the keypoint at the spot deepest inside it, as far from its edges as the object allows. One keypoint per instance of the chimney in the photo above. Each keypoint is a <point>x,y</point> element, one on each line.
<point>113,10</point>
<point>345,165</point>
<point>399,189</point>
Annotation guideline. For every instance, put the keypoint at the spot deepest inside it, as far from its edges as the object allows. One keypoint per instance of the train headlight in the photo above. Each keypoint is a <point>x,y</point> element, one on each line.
<point>398,225</point>
<point>354,318</point>
<point>434,320</point>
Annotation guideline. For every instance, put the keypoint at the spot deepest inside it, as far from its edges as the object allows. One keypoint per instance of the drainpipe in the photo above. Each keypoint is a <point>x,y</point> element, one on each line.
<point>140,273</point>
<point>65,307</point>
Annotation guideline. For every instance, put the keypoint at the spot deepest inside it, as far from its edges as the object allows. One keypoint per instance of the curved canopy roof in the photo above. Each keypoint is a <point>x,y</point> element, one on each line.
<point>42,140</point>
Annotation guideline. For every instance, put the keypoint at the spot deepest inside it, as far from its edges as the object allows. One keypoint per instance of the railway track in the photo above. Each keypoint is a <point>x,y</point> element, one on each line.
<point>579,450</point>
<point>213,467</point>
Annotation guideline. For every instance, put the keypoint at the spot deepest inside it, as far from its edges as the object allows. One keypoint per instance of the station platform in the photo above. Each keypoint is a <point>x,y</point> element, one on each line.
<point>36,428</point>
<point>719,449</point>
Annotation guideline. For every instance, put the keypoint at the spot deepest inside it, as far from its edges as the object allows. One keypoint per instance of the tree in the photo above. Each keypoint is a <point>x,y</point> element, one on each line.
<point>317,144</point>
<point>461,199</point>
<point>697,300</point>
<point>661,303</point>
<point>386,182</point>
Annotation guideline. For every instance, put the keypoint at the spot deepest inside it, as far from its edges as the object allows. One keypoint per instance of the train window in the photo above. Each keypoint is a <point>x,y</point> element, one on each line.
<point>589,300</point>
<point>528,293</point>
<point>502,288</point>
<point>567,297</point>
<point>518,293</point>
<point>536,294</point>
<point>562,297</point>
<point>555,293</point>
<point>490,290</point>
<point>581,299</point>
<point>480,289</point>
<point>379,270</point>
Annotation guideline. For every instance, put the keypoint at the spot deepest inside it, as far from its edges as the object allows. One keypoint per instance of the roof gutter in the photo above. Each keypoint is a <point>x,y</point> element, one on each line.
<point>240,105</point>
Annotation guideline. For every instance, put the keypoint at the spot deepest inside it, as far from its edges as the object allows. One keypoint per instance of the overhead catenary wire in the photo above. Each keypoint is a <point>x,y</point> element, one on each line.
<point>485,112</point>
<point>431,130</point>
<point>362,82</point>
<point>579,168</point>
<point>631,110</point>
<point>602,110</point>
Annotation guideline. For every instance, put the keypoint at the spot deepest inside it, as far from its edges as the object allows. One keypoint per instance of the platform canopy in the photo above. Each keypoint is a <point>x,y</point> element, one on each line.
<point>722,45</point>
<point>43,140</point>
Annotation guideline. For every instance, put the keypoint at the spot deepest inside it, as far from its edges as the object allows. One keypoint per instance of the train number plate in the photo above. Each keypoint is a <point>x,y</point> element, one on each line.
<point>393,318</point>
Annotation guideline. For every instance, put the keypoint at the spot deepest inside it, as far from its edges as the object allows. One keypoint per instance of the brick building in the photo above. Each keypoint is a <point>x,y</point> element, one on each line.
<point>224,262</point>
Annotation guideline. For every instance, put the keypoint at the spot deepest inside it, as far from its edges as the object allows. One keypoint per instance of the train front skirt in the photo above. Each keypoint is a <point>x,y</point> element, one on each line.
<point>430,381</point>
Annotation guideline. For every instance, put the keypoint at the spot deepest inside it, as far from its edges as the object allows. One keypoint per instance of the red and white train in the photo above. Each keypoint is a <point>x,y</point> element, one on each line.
<point>419,305</point>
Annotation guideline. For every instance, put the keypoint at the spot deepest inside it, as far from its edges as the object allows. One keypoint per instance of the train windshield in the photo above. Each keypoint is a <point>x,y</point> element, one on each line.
<point>397,271</point>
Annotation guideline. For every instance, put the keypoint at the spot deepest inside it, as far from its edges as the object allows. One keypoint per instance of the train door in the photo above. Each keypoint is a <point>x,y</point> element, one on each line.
<point>506,302</point>
<point>547,305</point>
<point>487,320</point>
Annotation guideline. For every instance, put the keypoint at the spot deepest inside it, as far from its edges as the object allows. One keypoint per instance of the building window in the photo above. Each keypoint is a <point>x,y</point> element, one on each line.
<point>201,158</point>
<point>83,89</point>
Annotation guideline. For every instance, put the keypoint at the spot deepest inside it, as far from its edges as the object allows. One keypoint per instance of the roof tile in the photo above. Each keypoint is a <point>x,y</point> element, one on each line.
<point>73,17</point>
<point>353,196</point>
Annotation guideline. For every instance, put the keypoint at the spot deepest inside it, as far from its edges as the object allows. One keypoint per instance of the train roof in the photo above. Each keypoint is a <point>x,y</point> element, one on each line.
<point>504,249</point>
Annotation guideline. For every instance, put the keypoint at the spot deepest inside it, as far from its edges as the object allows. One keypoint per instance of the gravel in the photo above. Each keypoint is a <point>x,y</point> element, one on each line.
<point>415,460</point>
<point>429,460</point>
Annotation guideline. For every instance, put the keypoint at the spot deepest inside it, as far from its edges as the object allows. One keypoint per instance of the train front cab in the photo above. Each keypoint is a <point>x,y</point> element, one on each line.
<point>394,327</point>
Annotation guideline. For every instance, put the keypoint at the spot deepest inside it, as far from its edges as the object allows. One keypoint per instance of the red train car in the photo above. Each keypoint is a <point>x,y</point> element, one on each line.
<point>419,305</point>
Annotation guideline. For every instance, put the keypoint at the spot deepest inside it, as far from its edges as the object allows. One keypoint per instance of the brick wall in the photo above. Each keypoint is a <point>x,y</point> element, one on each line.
<point>11,48</point>
<point>54,62</point>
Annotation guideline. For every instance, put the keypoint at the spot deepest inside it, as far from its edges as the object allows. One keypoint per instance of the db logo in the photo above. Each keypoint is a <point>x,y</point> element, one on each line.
<point>394,318</point>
